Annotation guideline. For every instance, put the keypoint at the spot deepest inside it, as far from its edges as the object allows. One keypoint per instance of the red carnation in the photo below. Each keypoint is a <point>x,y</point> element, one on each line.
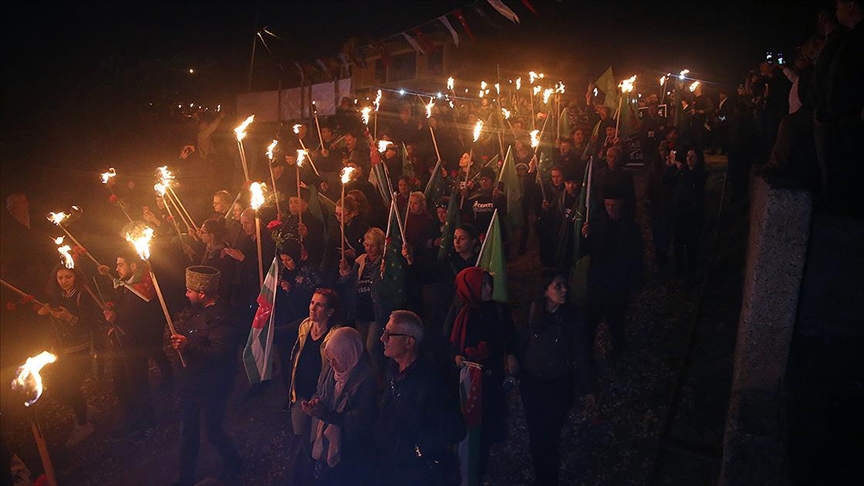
<point>26,299</point>
<point>484,158</point>
<point>274,225</point>
<point>109,305</point>
<point>11,306</point>
<point>170,218</point>
<point>113,199</point>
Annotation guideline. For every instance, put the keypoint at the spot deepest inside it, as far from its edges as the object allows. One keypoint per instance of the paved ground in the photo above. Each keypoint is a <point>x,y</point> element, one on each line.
<point>616,443</point>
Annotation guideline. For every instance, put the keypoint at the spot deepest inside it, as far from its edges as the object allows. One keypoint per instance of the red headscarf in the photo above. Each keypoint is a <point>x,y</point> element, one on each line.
<point>469,283</point>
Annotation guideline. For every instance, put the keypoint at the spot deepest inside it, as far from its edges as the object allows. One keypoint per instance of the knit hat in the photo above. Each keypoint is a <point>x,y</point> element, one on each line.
<point>202,278</point>
<point>292,248</point>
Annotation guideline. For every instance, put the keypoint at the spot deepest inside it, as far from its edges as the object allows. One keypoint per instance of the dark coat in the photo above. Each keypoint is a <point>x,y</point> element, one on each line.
<point>211,352</point>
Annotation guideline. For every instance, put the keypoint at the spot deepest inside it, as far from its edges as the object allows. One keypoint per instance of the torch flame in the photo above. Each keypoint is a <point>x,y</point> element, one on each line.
<point>256,195</point>
<point>662,80</point>
<point>518,83</point>
<point>546,94</point>
<point>57,218</point>
<point>532,76</point>
<point>497,88</point>
<point>506,113</point>
<point>478,128</point>
<point>535,138</point>
<point>694,86</point>
<point>165,175</point>
<point>429,107</point>
<point>383,144</point>
<point>346,174</point>
<point>59,240</point>
<point>378,100</point>
<point>627,84</point>
<point>483,85</point>
<point>139,234</point>
<point>450,82</point>
<point>271,148</point>
<point>682,73</point>
<point>364,113</point>
<point>107,176</point>
<point>160,188</point>
<point>537,89</point>
<point>241,130</point>
<point>28,378</point>
<point>297,128</point>
<point>559,88</point>
<point>301,156</point>
<point>65,252</point>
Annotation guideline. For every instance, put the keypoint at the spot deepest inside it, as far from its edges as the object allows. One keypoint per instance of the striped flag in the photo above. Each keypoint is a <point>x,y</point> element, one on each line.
<point>258,353</point>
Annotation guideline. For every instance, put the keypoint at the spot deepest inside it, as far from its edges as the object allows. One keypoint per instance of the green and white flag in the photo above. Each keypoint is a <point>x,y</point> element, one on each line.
<point>258,353</point>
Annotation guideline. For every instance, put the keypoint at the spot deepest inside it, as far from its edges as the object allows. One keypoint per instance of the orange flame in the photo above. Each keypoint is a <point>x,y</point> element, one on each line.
<point>107,176</point>
<point>28,379</point>
<point>241,130</point>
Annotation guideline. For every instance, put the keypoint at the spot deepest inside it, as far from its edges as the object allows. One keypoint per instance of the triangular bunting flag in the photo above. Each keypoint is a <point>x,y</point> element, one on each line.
<point>462,20</point>
<point>504,10</point>
<point>413,43</point>
<point>450,28</point>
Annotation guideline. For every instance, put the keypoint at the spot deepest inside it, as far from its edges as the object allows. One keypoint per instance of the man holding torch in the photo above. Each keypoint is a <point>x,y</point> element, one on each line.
<point>137,321</point>
<point>208,339</point>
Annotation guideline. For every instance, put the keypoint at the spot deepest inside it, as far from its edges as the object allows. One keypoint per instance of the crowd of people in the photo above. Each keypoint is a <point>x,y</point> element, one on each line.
<point>372,342</point>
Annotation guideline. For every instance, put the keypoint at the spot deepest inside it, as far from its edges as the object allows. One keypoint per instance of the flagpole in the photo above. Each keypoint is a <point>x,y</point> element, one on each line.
<point>588,190</point>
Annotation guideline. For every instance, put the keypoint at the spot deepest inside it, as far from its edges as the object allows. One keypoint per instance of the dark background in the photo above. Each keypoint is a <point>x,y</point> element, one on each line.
<point>86,85</point>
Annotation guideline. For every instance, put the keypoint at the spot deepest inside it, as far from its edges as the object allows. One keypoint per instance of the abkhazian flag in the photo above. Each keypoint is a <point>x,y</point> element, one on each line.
<point>450,225</point>
<point>471,402</point>
<point>491,259</point>
<point>258,353</point>
<point>391,285</point>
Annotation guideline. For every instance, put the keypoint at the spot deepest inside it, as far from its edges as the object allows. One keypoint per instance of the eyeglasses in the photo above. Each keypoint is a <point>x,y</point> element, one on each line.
<point>387,334</point>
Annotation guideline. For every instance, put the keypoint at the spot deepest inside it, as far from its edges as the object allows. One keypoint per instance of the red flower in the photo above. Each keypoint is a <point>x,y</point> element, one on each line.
<point>109,305</point>
<point>274,225</point>
<point>480,353</point>
<point>170,218</point>
<point>11,306</point>
<point>26,299</point>
<point>113,199</point>
<point>482,237</point>
<point>485,158</point>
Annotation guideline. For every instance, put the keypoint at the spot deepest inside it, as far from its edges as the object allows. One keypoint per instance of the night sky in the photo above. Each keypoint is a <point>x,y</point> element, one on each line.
<point>72,70</point>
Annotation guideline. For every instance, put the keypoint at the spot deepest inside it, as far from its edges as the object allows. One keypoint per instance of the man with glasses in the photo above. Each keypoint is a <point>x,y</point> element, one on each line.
<point>420,422</point>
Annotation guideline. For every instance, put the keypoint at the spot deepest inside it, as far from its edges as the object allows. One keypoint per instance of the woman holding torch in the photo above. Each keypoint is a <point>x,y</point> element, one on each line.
<point>75,317</point>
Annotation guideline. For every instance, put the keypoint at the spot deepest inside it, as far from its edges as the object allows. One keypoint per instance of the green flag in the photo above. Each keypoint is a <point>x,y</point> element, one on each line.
<point>450,225</point>
<point>564,123</point>
<point>579,268</point>
<point>322,208</point>
<point>513,191</point>
<point>491,259</point>
<point>606,83</point>
<point>407,166</point>
<point>435,188</point>
<point>391,285</point>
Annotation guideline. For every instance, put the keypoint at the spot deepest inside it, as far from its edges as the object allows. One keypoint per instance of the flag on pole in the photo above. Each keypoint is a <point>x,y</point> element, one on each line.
<point>407,166</point>
<point>579,264</point>
<point>512,190</point>
<point>391,286</point>
<point>491,259</point>
<point>450,224</point>
<point>435,188</point>
<point>606,83</point>
<point>471,401</point>
<point>258,353</point>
